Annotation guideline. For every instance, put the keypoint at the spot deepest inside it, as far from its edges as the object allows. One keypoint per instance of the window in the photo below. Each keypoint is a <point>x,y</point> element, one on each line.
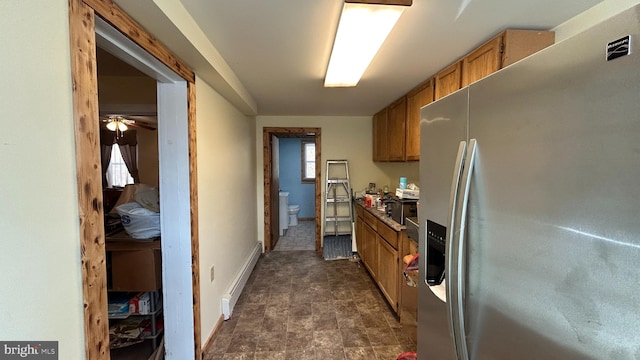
<point>308,161</point>
<point>117,172</point>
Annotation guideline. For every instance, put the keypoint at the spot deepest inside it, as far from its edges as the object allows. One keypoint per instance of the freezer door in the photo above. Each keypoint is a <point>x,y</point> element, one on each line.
<point>553,228</point>
<point>443,126</point>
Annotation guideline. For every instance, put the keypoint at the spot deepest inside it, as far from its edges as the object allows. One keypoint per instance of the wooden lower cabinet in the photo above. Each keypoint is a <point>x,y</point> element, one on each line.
<point>370,250</point>
<point>388,272</point>
<point>378,251</point>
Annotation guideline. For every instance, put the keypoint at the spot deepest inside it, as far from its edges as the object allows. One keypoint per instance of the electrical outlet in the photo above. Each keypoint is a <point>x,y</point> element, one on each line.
<point>211,271</point>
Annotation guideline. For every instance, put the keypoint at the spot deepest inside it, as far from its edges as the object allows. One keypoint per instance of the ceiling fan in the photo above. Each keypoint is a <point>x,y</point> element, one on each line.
<point>120,122</point>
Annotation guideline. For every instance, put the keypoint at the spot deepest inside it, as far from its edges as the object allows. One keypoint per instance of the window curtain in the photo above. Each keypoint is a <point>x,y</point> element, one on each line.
<point>106,142</point>
<point>128,144</point>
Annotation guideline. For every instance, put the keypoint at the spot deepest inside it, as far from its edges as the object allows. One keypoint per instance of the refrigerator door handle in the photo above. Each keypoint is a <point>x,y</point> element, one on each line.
<point>457,302</point>
<point>451,257</point>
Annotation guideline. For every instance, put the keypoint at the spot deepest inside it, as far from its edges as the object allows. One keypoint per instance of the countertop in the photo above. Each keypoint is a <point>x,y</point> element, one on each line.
<point>382,216</point>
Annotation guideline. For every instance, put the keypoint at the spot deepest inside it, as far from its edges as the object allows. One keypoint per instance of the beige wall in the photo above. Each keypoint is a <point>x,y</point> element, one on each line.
<point>126,90</point>
<point>596,14</point>
<point>148,156</point>
<point>343,137</point>
<point>226,197</point>
<point>41,286</point>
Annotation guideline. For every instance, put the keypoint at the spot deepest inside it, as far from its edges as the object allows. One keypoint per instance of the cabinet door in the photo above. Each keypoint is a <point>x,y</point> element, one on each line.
<point>448,80</point>
<point>396,121</point>
<point>518,44</point>
<point>388,272</point>
<point>370,250</point>
<point>416,99</point>
<point>483,61</point>
<point>380,151</point>
<point>360,236</point>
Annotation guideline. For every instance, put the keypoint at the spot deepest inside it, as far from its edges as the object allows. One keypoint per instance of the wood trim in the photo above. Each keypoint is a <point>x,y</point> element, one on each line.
<point>195,236</point>
<point>266,154</point>
<point>266,175</point>
<point>87,137</point>
<point>318,190</point>
<point>112,14</point>
<point>85,87</point>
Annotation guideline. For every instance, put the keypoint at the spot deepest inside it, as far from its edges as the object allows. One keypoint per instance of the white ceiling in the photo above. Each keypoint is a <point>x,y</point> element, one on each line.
<point>279,48</point>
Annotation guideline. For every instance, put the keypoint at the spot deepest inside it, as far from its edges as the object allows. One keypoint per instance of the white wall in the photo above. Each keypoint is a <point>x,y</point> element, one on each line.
<point>41,285</point>
<point>596,14</point>
<point>226,196</point>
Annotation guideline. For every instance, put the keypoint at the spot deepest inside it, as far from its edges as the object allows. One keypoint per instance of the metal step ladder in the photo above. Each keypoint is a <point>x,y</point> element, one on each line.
<point>338,209</point>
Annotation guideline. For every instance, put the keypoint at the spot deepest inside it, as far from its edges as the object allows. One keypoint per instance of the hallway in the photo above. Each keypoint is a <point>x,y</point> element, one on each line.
<point>298,306</point>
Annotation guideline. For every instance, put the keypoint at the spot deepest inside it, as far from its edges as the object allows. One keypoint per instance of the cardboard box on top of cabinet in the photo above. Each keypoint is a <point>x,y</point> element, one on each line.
<point>139,270</point>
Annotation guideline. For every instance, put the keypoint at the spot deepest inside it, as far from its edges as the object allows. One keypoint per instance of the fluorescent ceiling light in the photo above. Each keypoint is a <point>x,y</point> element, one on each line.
<point>361,31</point>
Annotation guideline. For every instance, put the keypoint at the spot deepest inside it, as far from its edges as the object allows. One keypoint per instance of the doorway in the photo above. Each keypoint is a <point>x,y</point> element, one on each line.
<point>271,180</point>
<point>178,185</point>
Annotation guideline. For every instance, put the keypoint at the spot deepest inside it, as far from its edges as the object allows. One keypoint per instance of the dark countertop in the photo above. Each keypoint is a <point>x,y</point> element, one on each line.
<point>382,216</point>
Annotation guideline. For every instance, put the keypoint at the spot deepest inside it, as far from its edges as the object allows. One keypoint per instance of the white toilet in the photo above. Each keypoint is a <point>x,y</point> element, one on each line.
<point>284,216</point>
<point>293,214</point>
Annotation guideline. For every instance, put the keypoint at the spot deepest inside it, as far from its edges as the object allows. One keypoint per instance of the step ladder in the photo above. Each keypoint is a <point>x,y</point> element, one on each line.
<point>338,209</point>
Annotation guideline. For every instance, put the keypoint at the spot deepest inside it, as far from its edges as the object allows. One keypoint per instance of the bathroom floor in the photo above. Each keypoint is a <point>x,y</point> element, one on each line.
<point>298,306</point>
<point>299,237</point>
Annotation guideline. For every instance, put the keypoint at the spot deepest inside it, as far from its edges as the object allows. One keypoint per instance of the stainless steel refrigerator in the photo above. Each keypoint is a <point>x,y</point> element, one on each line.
<point>530,207</point>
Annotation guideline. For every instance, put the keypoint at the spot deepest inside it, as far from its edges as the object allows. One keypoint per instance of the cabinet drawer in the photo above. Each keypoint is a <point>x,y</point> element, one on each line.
<point>371,220</point>
<point>359,210</point>
<point>390,235</point>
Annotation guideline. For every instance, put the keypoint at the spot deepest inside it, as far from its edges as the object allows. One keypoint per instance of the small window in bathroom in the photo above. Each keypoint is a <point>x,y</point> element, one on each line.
<point>308,161</point>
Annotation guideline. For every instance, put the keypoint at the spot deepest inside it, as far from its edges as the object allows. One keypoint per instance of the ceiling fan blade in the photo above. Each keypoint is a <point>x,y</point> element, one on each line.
<point>146,119</point>
<point>142,126</point>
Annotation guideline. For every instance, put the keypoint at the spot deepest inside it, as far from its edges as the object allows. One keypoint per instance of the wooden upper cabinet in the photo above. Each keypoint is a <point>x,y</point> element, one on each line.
<point>483,61</point>
<point>396,128</point>
<point>448,80</point>
<point>503,50</point>
<point>396,123</point>
<point>518,44</point>
<point>380,151</point>
<point>417,98</point>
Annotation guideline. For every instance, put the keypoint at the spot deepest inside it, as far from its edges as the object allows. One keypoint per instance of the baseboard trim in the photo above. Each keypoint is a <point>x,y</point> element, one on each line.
<point>232,294</point>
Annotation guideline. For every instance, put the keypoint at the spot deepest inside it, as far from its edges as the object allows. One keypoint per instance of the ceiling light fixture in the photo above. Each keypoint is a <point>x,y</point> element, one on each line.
<point>364,25</point>
<point>117,124</point>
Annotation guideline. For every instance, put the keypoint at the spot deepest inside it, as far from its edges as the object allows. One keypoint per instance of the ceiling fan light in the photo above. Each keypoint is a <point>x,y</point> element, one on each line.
<point>361,31</point>
<point>112,125</point>
<point>122,126</point>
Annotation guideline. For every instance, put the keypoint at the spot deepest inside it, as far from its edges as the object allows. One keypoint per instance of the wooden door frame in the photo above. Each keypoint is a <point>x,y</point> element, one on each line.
<point>88,170</point>
<point>267,132</point>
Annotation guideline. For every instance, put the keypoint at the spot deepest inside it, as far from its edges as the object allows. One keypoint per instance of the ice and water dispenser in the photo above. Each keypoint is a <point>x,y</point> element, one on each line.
<point>435,248</point>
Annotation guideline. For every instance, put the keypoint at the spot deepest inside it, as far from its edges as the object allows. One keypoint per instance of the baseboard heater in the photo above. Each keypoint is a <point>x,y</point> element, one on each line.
<point>230,297</point>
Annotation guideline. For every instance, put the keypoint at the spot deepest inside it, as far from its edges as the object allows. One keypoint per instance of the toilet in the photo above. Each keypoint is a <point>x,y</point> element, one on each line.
<point>293,214</point>
<point>284,213</point>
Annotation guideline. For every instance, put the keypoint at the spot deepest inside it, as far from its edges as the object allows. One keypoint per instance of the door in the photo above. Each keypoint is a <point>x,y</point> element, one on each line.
<point>275,191</point>
<point>416,99</point>
<point>443,126</point>
<point>552,226</point>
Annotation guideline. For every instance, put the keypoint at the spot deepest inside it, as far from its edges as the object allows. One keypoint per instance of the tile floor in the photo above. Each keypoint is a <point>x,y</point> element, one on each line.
<point>298,306</point>
<point>299,237</point>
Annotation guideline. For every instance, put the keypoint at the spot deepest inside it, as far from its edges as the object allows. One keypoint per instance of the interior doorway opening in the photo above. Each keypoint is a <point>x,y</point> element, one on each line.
<point>178,185</point>
<point>271,180</point>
